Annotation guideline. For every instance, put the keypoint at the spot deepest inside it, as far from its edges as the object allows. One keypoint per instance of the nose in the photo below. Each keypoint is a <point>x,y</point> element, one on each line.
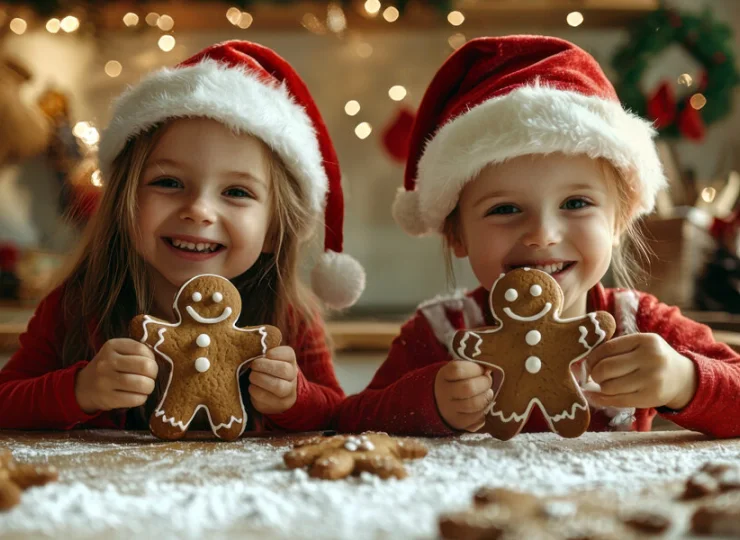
<point>198,209</point>
<point>542,231</point>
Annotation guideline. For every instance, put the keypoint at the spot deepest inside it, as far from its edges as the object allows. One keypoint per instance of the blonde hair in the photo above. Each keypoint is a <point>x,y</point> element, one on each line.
<point>106,282</point>
<point>629,256</point>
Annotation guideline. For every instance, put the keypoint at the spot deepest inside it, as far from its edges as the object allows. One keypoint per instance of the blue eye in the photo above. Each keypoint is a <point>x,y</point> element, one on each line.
<point>238,193</point>
<point>166,182</point>
<point>575,204</point>
<point>503,209</point>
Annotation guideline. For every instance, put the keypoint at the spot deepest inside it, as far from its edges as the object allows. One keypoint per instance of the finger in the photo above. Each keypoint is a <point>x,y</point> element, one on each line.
<point>613,368</point>
<point>137,365</point>
<point>477,423</point>
<point>621,400</point>
<point>614,347</point>
<point>458,370</point>
<point>284,353</point>
<point>276,368</point>
<point>126,346</point>
<point>469,388</point>
<point>277,387</point>
<point>127,400</point>
<point>263,399</point>
<point>137,384</point>
<point>628,384</point>
<point>475,404</point>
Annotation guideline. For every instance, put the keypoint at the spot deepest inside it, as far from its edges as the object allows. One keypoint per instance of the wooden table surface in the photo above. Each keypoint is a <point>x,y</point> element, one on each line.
<point>127,484</point>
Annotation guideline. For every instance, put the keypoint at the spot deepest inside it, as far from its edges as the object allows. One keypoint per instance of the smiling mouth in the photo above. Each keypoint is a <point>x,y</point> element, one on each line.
<point>552,268</point>
<point>194,247</point>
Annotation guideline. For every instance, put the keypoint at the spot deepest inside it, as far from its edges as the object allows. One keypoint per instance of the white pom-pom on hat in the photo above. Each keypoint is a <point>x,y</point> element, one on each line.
<point>338,279</point>
<point>407,212</point>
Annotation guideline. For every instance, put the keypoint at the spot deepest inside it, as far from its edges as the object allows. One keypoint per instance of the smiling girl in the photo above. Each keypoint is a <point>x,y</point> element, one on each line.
<point>223,166</point>
<point>522,156</point>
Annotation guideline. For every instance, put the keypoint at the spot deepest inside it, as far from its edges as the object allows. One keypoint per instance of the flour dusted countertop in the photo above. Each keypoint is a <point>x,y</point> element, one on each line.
<point>121,484</point>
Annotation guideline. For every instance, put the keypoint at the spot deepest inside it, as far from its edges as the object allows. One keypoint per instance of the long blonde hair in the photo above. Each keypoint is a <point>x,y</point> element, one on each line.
<point>106,282</point>
<point>629,256</point>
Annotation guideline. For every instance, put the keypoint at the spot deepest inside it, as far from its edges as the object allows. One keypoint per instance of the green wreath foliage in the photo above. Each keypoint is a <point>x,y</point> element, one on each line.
<point>708,41</point>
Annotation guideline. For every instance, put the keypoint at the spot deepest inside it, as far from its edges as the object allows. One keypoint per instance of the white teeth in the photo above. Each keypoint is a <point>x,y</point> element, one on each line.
<point>550,268</point>
<point>190,246</point>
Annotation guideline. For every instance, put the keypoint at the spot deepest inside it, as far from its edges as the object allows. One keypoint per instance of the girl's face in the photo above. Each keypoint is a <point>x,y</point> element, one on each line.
<point>203,203</point>
<point>554,212</point>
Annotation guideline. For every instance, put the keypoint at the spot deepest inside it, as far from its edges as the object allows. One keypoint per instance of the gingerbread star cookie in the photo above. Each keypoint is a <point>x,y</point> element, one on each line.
<point>332,458</point>
<point>17,477</point>
<point>206,352</point>
<point>534,349</point>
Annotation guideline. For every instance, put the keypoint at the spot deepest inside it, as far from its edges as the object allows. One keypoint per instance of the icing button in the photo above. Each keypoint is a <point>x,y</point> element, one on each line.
<point>202,364</point>
<point>533,337</point>
<point>533,364</point>
<point>203,340</point>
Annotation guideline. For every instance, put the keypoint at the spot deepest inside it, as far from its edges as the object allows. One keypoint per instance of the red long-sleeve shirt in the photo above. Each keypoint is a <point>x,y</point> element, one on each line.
<point>400,398</point>
<point>36,392</point>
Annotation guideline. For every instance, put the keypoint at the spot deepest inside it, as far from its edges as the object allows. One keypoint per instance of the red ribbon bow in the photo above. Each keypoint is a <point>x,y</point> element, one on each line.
<point>662,108</point>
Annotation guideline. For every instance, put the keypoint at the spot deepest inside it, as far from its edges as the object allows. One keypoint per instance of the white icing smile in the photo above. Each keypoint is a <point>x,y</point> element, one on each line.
<point>206,320</point>
<point>542,313</point>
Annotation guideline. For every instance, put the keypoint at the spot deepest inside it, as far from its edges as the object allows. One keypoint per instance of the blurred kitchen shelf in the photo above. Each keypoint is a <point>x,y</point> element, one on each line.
<point>488,14</point>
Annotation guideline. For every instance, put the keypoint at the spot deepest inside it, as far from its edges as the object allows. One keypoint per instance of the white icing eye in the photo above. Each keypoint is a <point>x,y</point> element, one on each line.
<point>203,340</point>
<point>217,297</point>
<point>511,295</point>
<point>197,297</point>
<point>535,290</point>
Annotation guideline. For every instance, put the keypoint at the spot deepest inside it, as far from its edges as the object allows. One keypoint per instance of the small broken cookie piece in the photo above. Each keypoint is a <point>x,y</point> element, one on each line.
<point>16,477</point>
<point>339,456</point>
<point>10,493</point>
<point>712,478</point>
<point>26,475</point>
<point>647,522</point>
<point>717,519</point>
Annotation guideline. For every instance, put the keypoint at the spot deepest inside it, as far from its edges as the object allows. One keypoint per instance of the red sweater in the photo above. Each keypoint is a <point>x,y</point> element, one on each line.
<point>36,392</point>
<point>400,398</point>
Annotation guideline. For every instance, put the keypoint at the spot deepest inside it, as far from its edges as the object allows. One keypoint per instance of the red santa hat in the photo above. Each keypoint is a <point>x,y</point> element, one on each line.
<point>497,98</point>
<point>251,89</point>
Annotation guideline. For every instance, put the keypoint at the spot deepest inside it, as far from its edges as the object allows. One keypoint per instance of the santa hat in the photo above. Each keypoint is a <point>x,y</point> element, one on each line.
<point>497,98</point>
<point>251,89</point>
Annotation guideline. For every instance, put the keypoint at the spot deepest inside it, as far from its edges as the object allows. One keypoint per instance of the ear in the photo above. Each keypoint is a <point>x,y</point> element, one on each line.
<point>458,246</point>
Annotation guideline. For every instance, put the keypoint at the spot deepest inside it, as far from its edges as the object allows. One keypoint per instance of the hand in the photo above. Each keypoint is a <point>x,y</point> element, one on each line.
<point>273,381</point>
<point>463,393</point>
<point>121,376</point>
<point>641,371</point>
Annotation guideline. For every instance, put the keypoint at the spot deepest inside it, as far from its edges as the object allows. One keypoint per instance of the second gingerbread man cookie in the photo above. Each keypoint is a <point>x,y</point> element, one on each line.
<point>534,350</point>
<point>206,352</point>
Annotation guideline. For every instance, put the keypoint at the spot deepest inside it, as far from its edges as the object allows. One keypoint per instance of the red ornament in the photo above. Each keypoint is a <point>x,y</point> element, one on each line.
<point>9,255</point>
<point>719,57</point>
<point>396,135</point>
<point>662,106</point>
<point>690,123</point>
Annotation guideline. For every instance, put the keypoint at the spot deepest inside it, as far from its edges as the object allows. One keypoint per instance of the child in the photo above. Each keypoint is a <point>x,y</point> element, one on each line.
<point>219,166</point>
<point>521,155</point>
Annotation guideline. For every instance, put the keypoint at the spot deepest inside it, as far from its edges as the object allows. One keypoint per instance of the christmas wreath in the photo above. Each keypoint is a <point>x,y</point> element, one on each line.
<point>709,42</point>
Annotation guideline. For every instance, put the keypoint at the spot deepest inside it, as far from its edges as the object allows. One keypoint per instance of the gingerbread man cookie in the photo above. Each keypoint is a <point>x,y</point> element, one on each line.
<point>17,477</point>
<point>332,458</point>
<point>534,349</point>
<point>206,352</point>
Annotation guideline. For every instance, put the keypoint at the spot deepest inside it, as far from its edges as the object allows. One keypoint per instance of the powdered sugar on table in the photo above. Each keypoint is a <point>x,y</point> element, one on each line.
<point>117,484</point>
